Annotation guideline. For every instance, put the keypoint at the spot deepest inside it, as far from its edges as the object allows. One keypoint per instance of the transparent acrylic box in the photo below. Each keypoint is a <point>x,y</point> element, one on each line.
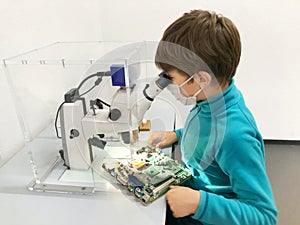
<point>38,81</point>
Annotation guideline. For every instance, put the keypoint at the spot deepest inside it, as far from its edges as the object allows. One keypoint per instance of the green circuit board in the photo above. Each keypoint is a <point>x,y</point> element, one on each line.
<point>148,175</point>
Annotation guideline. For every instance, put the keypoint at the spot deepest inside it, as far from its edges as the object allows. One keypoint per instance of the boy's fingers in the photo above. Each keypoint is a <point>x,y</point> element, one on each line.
<point>150,142</point>
<point>173,187</point>
<point>159,145</point>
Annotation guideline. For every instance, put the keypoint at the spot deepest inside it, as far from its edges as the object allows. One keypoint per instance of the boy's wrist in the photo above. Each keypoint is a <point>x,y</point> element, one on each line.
<point>174,136</point>
<point>195,205</point>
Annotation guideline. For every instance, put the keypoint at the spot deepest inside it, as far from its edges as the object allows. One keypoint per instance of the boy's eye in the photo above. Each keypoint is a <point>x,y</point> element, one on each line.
<point>166,75</point>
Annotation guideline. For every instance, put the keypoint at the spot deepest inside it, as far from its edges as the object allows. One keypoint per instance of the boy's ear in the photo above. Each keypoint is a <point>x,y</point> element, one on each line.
<point>203,79</point>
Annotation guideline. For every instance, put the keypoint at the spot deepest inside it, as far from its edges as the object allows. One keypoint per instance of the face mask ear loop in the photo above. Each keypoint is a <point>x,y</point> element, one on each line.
<point>198,92</point>
<point>185,82</point>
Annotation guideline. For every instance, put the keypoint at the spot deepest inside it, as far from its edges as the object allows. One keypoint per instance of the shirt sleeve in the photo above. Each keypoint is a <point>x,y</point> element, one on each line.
<point>254,204</point>
<point>179,134</point>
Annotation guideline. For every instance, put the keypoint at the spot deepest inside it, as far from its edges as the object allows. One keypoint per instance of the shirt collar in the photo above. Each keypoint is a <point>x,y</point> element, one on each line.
<point>220,102</point>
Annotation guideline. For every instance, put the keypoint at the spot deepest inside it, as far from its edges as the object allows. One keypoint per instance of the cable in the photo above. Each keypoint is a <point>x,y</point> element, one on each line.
<point>97,82</point>
<point>88,90</point>
<point>55,123</point>
<point>104,103</point>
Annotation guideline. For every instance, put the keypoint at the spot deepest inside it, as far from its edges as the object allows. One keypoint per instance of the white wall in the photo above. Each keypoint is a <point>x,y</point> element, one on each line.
<point>28,25</point>
<point>11,136</point>
<point>268,74</point>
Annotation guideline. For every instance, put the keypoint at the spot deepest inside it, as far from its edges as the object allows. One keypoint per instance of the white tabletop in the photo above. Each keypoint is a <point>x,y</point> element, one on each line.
<point>20,206</point>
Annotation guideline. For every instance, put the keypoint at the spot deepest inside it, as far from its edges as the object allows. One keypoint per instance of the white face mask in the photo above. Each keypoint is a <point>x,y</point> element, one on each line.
<point>175,90</point>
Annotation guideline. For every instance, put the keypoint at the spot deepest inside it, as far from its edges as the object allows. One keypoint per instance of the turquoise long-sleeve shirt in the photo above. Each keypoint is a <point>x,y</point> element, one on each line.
<point>221,145</point>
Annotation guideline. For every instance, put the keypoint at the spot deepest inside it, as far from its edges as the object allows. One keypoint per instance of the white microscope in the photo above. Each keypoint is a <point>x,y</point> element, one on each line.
<point>81,128</point>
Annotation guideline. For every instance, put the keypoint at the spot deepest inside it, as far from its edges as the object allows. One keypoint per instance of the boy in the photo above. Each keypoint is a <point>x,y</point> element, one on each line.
<point>220,142</point>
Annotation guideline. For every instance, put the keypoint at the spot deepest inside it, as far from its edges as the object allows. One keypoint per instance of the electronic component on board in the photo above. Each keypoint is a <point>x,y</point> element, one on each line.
<point>149,174</point>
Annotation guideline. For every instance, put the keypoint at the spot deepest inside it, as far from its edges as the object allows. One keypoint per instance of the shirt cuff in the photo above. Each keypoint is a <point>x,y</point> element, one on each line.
<point>178,134</point>
<point>202,206</point>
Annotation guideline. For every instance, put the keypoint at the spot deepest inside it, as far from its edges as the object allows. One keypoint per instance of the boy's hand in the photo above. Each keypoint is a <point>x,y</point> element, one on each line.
<point>183,201</point>
<point>161,139</point>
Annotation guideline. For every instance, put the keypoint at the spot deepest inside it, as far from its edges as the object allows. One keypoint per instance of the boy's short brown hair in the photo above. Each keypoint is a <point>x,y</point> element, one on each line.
<point>212,38</point>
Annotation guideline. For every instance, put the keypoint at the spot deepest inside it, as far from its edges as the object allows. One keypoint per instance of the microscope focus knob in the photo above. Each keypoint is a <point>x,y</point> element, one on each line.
<point>74,133</point>
<point>115,114</point>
